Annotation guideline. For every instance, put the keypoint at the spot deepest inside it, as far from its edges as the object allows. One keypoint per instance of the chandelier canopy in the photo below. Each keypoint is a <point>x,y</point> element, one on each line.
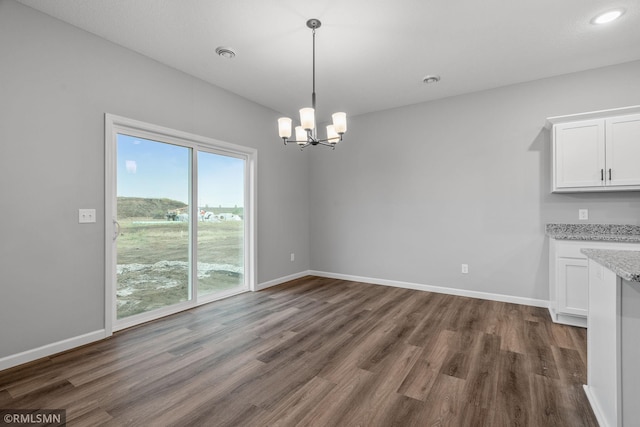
<point>306,133</point>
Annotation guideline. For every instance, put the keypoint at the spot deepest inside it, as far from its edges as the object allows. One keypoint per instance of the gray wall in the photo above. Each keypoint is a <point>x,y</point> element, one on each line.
<point>56,83</point>
<point>414,192</point>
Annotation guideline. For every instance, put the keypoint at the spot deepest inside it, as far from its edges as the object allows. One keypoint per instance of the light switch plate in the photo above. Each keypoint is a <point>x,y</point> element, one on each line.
<point>86,216</point>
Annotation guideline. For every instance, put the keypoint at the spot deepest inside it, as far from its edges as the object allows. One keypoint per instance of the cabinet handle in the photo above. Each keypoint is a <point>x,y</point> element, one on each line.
<point>601,174</point>
<point>609,174</point>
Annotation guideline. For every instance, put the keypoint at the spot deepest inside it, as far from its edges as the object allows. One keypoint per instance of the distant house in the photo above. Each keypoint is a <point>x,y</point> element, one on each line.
<point>228,217</point>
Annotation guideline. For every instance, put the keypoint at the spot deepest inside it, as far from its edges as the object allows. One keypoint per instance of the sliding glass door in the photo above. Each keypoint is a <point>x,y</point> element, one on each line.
<point>182,222</point>
<point>153,198</point>
<point>221,225</point>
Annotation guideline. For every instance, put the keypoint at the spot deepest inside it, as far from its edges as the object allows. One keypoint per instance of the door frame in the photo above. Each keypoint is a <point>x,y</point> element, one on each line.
<point>116,124</point>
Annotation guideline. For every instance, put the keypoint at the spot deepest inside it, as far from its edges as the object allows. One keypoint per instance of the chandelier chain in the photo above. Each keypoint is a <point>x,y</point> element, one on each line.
<point>313,93</point>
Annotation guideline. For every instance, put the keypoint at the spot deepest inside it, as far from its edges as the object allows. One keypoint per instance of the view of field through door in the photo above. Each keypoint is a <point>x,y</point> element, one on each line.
<point>220,224</point>
<point>179,228</point>
<point>153,254</point>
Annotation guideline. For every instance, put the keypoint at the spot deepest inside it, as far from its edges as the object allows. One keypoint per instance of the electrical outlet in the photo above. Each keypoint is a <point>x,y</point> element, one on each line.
<point>293,257</point>
<point>465,268</point>
<point>86,216</point>
<point>583,214</point>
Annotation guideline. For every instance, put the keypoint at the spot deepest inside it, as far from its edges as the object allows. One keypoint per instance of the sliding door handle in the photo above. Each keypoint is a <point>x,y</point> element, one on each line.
<point>116,227</point>
<point>601,174</point>
<point>609,174</point>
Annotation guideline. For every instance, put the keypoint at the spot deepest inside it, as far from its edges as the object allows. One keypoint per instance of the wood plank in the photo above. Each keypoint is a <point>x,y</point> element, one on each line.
<point>292,410</point>
<point>336,405</point>
<point>444,403</point>
<point>481,385</point>
<point>514,404</point>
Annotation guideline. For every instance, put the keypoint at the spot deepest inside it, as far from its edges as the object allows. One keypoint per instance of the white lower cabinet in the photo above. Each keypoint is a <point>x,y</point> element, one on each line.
<point>572,277</point>
<point>613,372</point>
<point>569,278</point>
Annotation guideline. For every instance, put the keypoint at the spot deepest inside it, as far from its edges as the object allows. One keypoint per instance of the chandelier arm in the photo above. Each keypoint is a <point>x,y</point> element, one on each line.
<point>329,139</point>
<point>332,146</point>
<point>311,142</point>
<point>322,142</point>
<point>289,141</point>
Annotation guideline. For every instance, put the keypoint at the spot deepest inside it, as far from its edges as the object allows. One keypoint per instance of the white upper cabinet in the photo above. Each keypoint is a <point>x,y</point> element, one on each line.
<point>579,152</point>
<point>623,150</point>
<point>597,151</point>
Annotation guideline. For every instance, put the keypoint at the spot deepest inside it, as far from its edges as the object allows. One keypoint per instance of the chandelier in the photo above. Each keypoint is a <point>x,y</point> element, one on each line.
<point>306,133</point>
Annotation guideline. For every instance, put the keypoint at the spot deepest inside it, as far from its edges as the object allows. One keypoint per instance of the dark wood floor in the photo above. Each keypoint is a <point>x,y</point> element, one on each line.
<point>322,352</point>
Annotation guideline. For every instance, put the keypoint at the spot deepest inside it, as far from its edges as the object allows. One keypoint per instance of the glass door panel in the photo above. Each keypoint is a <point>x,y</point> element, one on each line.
<point>221,225</point>
<point>152,249</point>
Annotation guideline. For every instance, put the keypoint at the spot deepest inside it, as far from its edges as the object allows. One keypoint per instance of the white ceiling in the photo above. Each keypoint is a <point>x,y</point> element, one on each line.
<point>371,54</point>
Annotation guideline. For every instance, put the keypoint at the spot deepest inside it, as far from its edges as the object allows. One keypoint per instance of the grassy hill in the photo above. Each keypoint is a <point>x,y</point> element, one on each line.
<point>138,207</point>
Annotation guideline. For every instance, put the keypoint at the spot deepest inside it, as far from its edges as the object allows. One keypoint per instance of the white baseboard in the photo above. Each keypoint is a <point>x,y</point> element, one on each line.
<point>50,349</point>
<point>594,406</point>
<point>281,280</point>
<point>439,289</point>
<point>567,319</point>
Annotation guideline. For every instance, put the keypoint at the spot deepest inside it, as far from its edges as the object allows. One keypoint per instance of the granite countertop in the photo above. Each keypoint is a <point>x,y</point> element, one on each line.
<point>625,264</point>
<point>594,232</point>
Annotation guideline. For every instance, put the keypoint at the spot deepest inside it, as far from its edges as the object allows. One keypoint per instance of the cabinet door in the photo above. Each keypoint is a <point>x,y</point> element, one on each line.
<point>623,150</point>
<point>572,282</point>
<point>579,153</point>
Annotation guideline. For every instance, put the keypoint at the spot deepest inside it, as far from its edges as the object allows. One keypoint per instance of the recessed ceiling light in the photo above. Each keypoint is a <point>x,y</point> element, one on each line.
<point>226,52</point>
<point>607,17</point>
<point>430,79</point>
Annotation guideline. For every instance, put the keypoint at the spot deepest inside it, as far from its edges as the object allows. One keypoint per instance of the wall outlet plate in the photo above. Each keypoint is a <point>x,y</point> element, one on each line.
<point>583,214</point>
<point>465,269</point>
<point>86,216</point>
